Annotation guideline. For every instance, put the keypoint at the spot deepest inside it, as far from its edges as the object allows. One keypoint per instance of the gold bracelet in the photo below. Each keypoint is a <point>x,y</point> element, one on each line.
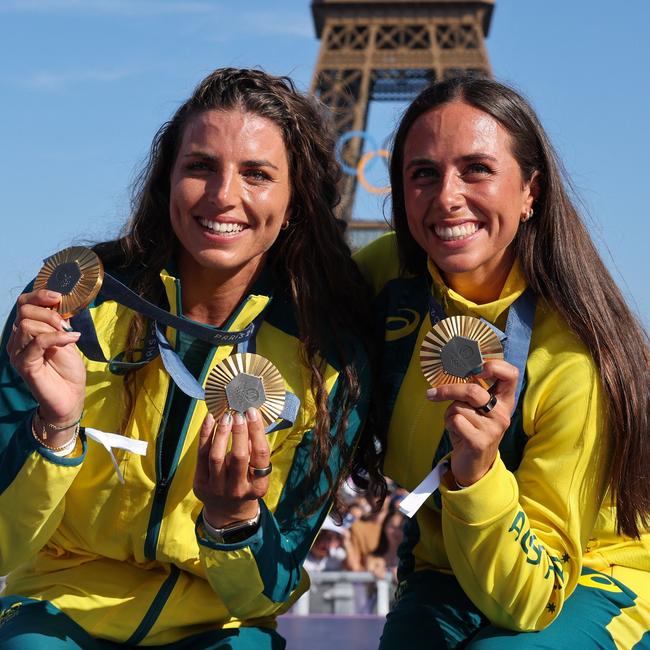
<point>45,424</point>
<point>68,445</point>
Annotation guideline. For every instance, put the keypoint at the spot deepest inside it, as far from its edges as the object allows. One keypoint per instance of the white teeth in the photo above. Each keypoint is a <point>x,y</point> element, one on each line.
<point>456,232</point>
<point>216,226</point>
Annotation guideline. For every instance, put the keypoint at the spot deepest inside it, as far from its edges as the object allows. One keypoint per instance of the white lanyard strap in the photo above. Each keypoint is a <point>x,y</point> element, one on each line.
<point>112,441</point>
<point>411,503</point>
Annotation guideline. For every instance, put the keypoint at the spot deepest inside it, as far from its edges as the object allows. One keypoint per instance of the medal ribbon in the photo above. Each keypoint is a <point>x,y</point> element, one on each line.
<point>155,343</point>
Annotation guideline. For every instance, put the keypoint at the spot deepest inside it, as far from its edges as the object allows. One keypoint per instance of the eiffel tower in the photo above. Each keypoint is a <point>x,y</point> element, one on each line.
<point>379,50</point>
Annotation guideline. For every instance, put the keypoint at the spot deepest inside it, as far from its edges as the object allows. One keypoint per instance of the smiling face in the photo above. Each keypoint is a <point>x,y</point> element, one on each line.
<point>230,193</point>
<point>464,196</point>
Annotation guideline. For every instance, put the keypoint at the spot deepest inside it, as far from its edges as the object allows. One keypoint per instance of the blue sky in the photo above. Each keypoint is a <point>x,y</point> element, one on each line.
<point>86,83</point>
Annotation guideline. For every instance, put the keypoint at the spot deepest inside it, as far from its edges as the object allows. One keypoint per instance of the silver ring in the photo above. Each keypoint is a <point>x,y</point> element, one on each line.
<point>491,403</point>
<point>259,472</point>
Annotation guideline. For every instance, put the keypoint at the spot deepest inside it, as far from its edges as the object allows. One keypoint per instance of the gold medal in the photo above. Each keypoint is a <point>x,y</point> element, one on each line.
<point>455,349</point>
<point>76,273</point>
<point>242,381</point>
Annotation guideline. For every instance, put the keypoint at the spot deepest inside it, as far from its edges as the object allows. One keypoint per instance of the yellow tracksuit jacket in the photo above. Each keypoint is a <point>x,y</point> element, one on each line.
<point>125,561</point>
<point>515,540</point>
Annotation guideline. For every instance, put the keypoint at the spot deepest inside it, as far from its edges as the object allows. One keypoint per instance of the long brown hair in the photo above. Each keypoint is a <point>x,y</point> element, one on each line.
<point>562,265</point>
<point>310,258</point>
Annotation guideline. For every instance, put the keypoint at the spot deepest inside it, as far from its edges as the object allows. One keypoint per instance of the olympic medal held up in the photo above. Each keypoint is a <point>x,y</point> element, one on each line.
<point>454,351</point>
<point>76,273</point>
<point>242,381</point>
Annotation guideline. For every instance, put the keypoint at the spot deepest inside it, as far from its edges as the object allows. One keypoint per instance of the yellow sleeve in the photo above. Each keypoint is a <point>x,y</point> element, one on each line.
<point>515,541</point>
<point>33,485</point>
<point>33,480</point>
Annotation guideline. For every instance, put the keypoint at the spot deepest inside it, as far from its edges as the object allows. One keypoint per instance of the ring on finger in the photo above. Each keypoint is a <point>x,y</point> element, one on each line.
<point>259,472</point>
<point>489,405</point>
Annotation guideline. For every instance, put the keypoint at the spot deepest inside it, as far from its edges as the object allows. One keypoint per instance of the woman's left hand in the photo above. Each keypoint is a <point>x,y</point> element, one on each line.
<point>223,480</point>
<point>475,435</point>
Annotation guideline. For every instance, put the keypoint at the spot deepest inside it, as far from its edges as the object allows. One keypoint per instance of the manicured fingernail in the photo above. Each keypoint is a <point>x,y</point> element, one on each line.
<point>251,414</point>
<point>209,420</point>
<point>238,418</point>
<point>66,328</point>
<point>73,335</point>
<point>431,393</point>
<point>53,294</point>
<point>226,418</point>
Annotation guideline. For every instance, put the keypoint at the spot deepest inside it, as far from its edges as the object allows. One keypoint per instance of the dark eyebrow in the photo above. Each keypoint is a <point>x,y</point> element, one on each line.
<point>414,162</point>
<point>259,163</point>
<point>468,158</point>
<point>199,154</point>
<point>245,163</point>
<point>478,156</point>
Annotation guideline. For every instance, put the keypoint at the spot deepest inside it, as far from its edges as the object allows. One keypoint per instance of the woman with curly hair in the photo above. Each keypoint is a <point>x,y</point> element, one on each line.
<point>202,543</point>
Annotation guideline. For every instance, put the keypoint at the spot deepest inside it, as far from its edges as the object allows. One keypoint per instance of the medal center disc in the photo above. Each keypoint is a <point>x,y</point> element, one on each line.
<point>64,278</point>
<point>460,356</point>
<point>245,391</point>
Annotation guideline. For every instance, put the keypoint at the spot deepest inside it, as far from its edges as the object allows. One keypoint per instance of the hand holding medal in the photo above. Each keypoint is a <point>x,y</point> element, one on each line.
<point>41,346</point>
<point>244,393</point>
<point>462,359</point>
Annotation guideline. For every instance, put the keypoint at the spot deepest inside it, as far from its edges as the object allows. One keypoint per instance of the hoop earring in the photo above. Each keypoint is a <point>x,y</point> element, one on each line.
<point>527,216</point>
<point>285,225</point>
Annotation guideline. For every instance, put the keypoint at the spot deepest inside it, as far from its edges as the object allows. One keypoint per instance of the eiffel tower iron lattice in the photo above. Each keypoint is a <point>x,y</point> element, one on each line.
<point>379,50</point>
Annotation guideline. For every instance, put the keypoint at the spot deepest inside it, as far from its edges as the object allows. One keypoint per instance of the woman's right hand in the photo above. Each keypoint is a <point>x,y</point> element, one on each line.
<point>475,435</point>
<point>45,356</point>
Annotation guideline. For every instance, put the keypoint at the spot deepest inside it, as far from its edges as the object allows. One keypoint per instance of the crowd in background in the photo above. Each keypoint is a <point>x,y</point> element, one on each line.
<point>365,539</point>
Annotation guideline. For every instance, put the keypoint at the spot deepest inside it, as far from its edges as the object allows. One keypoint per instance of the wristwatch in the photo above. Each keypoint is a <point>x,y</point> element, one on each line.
<point>238,531</point>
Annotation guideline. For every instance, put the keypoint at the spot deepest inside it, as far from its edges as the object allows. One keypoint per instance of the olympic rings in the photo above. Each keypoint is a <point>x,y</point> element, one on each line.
<point>343,140</point>
<point>373,189</point>
<point>359,170</point>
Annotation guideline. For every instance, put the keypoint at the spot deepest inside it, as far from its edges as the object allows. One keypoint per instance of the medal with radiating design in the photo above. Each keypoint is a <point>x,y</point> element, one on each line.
<point>455,349</point>
<point>242,381</point>
<point>76,273</point>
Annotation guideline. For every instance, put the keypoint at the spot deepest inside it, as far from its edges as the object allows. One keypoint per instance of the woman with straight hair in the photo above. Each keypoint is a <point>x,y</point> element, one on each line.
<point>198,540</point>
<point>541,520</point>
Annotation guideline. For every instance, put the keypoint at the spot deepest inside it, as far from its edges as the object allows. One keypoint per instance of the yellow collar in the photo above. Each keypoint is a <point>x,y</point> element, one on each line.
<point>494,312</point>
<point>248,310</point>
